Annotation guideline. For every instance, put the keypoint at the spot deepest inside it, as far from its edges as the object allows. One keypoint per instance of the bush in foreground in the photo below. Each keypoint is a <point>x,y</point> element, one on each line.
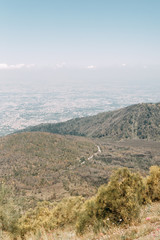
<point>117,202</point>
<point>51,216</point>
<point>9,212</point>
<point>153,183</point>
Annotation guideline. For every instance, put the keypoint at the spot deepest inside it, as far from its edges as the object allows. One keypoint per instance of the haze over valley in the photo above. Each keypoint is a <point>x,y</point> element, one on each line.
<point>24,105</point>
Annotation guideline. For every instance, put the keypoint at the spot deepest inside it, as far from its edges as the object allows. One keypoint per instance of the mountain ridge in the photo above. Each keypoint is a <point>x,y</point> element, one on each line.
<point>139,121</point>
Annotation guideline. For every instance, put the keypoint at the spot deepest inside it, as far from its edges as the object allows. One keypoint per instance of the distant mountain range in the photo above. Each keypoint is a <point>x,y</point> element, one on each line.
<point>140,121</point>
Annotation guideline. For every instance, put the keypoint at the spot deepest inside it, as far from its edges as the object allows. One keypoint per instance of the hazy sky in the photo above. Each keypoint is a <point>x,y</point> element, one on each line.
<point>80,39</point>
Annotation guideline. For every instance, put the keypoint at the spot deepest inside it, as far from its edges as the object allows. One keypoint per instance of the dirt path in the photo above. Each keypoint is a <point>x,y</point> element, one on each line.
<point>95,154</point>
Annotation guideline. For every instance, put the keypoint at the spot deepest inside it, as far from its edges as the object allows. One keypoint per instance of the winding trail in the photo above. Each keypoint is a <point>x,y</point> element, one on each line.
<point>95,154</point>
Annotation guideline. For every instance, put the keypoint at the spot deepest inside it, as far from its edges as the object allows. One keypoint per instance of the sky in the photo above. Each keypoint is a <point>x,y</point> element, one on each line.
<point>62,40</point>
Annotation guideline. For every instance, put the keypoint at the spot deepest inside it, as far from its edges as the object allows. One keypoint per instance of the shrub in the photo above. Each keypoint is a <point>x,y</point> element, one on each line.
<point>9,212</point>
<point>66,212</point>
<point>153,183</point>
<point>87,216</point>
<point>117,202</point>
<point>51,216</point>
<point>120,200</point>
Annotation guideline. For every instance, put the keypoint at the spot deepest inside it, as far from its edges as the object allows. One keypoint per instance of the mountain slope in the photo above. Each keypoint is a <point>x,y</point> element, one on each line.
<point>46,166</point>
<point>50,166</point>
<point>140,121</point>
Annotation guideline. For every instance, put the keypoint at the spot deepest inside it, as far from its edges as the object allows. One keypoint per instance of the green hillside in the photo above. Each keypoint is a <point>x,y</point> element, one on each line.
<point>141,121</point>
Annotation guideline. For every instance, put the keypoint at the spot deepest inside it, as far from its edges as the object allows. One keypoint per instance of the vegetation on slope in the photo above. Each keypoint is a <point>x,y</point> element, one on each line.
<point>141,121</point>
<point>116,204</point>
<point>9,211</point>
<point>135,154</point>
<point>147,227</point>
<point>47,166</point>
<point>44,166</point>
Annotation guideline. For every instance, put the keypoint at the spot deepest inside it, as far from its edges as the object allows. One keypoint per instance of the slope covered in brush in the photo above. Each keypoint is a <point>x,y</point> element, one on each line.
<point>49,166</point>
<point>140,121</point>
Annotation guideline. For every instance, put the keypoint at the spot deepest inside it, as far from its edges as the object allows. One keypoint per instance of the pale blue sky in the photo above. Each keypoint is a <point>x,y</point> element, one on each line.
<point>77,37</point>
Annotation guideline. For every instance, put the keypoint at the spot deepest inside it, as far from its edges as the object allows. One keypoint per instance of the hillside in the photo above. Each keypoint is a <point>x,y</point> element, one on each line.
<point>48,166</point>
<point>113,213</point>
<point>141,121</point>
<point>45,166</point>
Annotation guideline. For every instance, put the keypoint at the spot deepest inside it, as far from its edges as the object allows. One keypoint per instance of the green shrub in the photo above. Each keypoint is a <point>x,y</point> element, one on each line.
<point>117,202</point>
<point>87,216</point>
<point>153,183</point>
<point>66,212</point>
<point>9,212</point>
<point>121,199</point>
<point>51,216</point>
